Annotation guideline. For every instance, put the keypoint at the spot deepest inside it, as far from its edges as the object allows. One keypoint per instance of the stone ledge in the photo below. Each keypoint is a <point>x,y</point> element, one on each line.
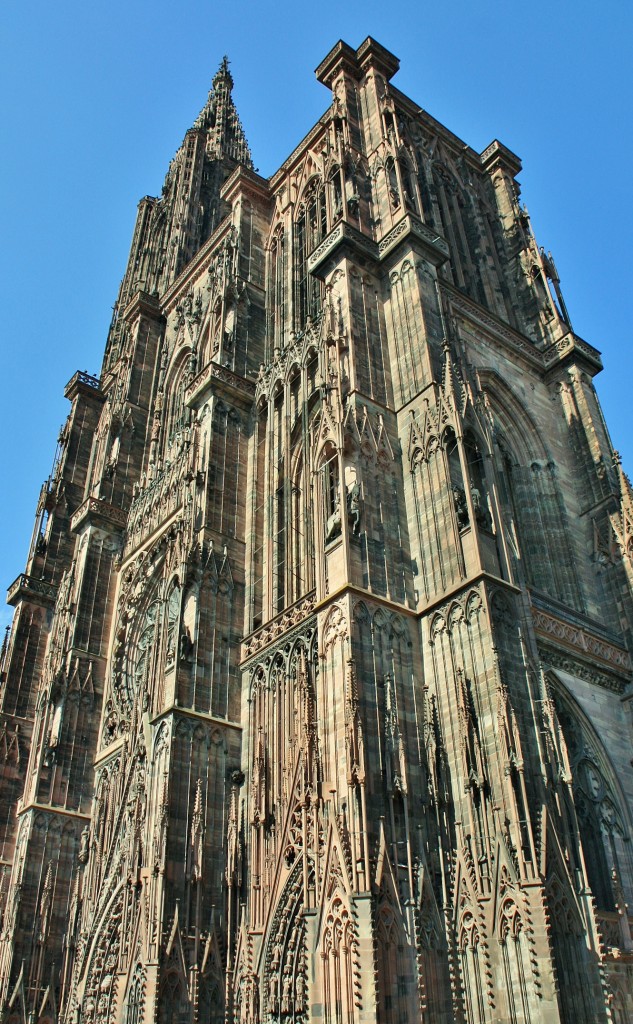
<point>562,637</point>
<point>343,234</point>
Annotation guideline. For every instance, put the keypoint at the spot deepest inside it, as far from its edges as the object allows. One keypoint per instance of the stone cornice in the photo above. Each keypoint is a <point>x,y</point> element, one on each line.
<point>39,808</point>
<point>415,233</point>
<point>567,640</point>
<point>343,234</point>
<point>497,155</point>
<point>142,304</point>
<point>244,180</point>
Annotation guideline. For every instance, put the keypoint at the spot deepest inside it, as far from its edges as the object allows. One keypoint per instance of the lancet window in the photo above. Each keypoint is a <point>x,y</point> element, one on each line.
<point>310,228</point>
<point>277,290</point>
<point>330,493</point>
<point>408,184</point>
<point>516,963</point>
<point>336,194</point>
<point>133,1015</point>
<point>177,414</point>
<point>279,509</point>
<point>471,957</point>
<point>391,978</point>
<point>393,185</point>
<point>337,959</point>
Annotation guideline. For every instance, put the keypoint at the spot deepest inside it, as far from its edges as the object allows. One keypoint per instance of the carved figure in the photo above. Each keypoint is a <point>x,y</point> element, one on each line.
<point>461,507</point>
<point>353,508</point>
<point>333,525</point>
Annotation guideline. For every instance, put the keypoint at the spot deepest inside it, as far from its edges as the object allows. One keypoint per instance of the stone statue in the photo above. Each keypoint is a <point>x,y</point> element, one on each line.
<point>353,508</point>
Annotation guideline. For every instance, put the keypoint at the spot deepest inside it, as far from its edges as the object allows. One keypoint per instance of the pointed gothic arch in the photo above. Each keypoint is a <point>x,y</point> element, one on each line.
<point>600,805</point>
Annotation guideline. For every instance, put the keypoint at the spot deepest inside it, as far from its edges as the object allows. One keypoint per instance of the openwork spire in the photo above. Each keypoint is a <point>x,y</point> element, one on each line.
<point>220,119</point>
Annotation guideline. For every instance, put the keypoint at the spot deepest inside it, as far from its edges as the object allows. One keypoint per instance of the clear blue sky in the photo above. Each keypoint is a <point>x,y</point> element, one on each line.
<point>97,96</point>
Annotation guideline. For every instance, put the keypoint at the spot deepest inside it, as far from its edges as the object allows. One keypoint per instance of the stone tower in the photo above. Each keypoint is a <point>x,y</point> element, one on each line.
<point>315,705</point>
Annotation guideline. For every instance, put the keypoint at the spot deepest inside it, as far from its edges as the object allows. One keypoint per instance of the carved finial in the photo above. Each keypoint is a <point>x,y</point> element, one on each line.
<point>223,76</point>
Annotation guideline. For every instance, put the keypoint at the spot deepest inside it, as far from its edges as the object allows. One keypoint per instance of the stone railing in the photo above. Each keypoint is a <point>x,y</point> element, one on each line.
<point>571,344</point>
<point>273,630</point>
<point>224,379</point>
<point>28,588</point>
<point>409,228</point>
<point>82,381</point>
<point>98,512</point>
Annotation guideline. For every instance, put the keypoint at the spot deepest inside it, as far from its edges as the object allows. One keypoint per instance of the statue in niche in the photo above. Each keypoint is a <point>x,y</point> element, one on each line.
<point>82,856</point>
<point>333,524</point>
<point>479,507</point>
<point>300,994</point>
<point>461,506</point>
<point>276,956</point>
<point>353,508</point>
<point>186,644</point>
<point>286,996</point>
<point>273,1000</point>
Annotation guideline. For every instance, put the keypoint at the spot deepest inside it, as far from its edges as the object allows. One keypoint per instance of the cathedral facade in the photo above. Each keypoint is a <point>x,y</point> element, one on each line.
<point>316,702</point>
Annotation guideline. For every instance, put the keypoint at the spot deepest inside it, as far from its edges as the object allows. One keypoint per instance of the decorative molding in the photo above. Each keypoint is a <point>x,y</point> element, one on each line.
<point>556,659</point>
<point>497,328</point>
<point>342,234</point>
<point>278,627</point>
<point>583,643</point>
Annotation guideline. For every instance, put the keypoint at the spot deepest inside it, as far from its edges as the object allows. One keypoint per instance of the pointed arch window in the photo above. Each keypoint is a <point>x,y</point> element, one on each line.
<point>392,183</point>
<point>472,971</point>
<point>277,291</point>
<point>330,493</point>
<point>177,414</point>
<point>516,960</point>
<point>408,185</point>
<point>310,228</point>
<point>336,194</point>
<point>133,1015</point>
<point>338,982</point>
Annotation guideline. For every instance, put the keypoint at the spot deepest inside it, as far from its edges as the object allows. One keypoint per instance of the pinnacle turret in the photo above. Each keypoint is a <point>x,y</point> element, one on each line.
<point>171,229</point>
<point>220,119</point>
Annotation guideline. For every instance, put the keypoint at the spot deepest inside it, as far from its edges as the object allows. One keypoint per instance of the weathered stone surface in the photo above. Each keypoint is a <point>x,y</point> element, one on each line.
<point>315,706</point>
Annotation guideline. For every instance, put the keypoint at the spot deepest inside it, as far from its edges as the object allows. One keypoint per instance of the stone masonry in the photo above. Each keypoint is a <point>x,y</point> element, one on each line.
<point>316,702</point>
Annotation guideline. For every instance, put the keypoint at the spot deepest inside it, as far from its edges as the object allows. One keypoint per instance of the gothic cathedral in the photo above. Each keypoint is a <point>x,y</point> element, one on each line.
<point>316,702</point>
